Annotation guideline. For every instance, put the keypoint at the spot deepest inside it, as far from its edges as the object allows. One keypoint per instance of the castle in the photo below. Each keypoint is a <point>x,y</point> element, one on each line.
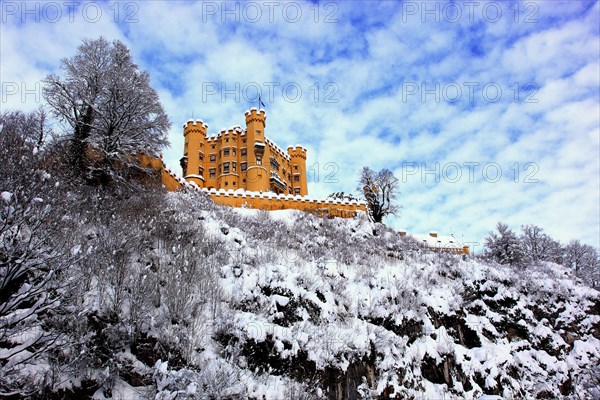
<point>242,159</point>
<point>243,168</point>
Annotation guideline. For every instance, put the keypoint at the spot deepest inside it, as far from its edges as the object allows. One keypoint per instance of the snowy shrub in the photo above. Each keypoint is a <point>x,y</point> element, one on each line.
<point>29,289</point>
<point>33,256</point>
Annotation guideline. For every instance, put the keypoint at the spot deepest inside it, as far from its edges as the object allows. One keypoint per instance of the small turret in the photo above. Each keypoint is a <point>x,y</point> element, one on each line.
<point>297,151</point>
<point>194,136</point>
<point>255,116</point>
<point>195,127</point>
<point>298,161</point>
<point>258,154</point>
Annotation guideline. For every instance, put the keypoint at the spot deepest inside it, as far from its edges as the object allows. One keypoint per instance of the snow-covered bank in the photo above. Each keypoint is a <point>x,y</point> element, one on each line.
<point>169,296</point>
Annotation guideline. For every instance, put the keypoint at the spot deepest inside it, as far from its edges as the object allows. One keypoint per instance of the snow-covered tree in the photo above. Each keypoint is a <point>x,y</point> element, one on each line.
<point>538,246</point>
<point>110,106</point>
<point>504,247</point>
<point>585,261</point>
<point>380,190</point>
<point>31,255</point>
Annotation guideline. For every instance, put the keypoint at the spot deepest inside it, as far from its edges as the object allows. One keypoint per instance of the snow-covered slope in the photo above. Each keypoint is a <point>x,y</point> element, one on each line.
<point>164,296</point>
<point>345,309</point>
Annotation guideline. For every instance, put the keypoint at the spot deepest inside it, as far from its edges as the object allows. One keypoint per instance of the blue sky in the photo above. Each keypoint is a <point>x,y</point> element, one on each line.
<point>486,111</point>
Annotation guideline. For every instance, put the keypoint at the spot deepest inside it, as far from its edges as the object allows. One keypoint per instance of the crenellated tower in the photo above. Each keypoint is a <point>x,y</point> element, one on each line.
<point>257,177</point>
<point>194,134</point>
<point>298,164</point>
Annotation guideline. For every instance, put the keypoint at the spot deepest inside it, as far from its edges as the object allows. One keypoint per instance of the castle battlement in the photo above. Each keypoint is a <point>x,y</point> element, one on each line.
<point>254,115</point>
<point>297,152</point>
<point>270,195</point>
<point>277,149</point>
<point>255,111</point>
<point>198,123</point>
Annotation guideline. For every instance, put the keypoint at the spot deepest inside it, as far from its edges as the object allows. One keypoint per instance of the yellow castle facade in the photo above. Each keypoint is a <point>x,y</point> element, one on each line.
<point>242,159</point>
<point>244,168</point>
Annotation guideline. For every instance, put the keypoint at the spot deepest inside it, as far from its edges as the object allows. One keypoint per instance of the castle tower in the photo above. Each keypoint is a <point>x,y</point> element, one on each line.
<point>193,152</point>
<point>298,161</point>
<point>258,154</point>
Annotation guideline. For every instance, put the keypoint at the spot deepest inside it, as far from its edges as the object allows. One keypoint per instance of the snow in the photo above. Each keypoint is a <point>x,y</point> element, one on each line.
<point>307,292</point>
<point>437,241</point>
<point>6,196</point>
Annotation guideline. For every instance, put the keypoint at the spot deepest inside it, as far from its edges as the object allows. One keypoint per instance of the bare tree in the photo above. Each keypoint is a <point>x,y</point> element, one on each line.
<point>380,190</point>
<point>585,261</point>
<point>538,246</point>
<point>110,106</point>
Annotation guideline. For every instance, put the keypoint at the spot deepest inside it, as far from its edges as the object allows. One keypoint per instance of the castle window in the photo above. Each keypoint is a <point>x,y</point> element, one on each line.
<point>274,164</point>
<point>234,152</point>
<point>258,160</point>
<point>226,168</point>
<point>244,166</point>
<point>296,178</point>
<point>226,183</point>
<point>244,151</point>
<point>244,141</point>
<point>227,140</point>
<point>213,158</point>
<point>212,172</point>
<point>201,156</point>
<point>201,171</point>
<point>296,167</point>
<point>234,184</point>
<point>233,166</point>
<point>297,191</point>
<point>225,152</point>
<point>213,146</point>
<point>243,181</point>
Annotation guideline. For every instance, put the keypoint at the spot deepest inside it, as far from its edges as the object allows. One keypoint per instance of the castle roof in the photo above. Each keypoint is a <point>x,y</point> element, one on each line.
<point>434,240</point>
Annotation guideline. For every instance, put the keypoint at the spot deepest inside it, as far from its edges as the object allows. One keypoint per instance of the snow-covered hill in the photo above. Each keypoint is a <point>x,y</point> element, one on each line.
<point>344,309</point>
<point>169,296</point>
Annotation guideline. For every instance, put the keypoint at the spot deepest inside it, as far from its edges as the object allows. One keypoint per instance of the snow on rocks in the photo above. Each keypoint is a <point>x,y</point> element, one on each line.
<point>6,196</point>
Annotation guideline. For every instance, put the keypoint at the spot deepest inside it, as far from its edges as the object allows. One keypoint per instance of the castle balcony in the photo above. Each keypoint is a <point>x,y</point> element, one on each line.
<point>259,148</point>
<point>277,184</point>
